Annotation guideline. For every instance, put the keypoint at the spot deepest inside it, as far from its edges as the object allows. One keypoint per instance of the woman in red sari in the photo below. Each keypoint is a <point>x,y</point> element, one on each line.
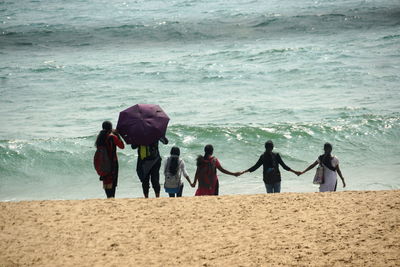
<point>206,173</point>
<point>110,139</point>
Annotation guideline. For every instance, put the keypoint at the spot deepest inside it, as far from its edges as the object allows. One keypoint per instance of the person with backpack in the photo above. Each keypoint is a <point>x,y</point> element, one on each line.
<point>105,159</point>
<point>148,166</point>
<point>271,173</point>
<point>206,173</point>
<point>331,168</point>
<point>173,169</point>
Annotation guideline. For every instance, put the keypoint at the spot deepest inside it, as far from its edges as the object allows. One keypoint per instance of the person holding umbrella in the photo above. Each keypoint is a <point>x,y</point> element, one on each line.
<point>148,166</point>
<point>143,126</point>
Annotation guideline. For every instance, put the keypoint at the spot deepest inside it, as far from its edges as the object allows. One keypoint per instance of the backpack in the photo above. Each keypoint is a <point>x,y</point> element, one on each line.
<point>272,174</point>
<point>207,173</point>
<point>102,162</point>
<point>172,181</point>
<point>148,152</point>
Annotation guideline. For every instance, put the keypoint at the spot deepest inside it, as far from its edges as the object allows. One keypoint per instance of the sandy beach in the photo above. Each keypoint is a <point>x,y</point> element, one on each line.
<point>288,229</point>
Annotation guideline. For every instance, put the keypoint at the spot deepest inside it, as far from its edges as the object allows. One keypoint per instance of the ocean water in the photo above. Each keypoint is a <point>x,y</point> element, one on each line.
<point>229,73</point>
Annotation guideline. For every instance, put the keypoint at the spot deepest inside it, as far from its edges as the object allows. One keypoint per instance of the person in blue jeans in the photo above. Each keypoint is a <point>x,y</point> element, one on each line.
<point>271,173</point>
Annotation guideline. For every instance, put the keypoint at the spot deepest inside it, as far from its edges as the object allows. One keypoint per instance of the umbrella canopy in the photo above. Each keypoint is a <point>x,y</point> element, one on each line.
<point>142,124</point>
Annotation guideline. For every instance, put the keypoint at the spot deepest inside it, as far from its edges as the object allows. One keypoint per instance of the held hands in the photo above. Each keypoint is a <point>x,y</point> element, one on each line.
<point>239,173</point>
<point>298,173</point>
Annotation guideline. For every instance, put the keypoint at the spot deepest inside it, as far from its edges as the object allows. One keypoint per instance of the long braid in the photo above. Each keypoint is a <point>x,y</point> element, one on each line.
<point>174,161</point>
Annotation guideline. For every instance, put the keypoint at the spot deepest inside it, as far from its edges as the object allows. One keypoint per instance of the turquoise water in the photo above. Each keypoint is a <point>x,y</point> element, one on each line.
<point>230,73</point>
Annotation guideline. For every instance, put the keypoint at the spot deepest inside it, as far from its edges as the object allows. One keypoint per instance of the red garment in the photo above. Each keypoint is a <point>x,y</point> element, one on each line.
<point>115,142</point>
<point>112,142</point>
<point>210,190</point>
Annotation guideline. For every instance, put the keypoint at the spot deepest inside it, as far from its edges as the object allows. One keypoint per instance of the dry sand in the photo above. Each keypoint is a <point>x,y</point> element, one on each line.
<point>289,229</point>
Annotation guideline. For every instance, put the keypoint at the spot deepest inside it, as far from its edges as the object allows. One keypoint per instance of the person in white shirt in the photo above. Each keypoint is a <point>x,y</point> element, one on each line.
<point>173,169</point>
<point>331,169</point>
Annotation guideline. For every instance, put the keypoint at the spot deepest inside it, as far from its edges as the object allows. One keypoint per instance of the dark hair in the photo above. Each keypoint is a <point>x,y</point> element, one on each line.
<point>326,158</point>
<point>328,146</point>
<point>208,151</point>
<point>101,137</point>
<point>174,161</point>
<point>269,145</point>
<point>107,125</point>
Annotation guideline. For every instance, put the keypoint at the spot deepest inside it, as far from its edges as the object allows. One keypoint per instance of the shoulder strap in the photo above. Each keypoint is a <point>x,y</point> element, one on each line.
<point>321,162</point>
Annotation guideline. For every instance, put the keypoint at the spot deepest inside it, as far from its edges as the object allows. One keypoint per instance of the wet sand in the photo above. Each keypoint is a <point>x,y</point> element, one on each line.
<point>290,229</point>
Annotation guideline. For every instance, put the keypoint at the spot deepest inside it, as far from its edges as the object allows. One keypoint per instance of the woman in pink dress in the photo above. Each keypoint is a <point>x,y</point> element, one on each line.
<point>206,173</point>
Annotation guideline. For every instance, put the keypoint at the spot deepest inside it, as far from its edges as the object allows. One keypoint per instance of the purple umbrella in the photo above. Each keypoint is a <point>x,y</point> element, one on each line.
<point>142,124</point>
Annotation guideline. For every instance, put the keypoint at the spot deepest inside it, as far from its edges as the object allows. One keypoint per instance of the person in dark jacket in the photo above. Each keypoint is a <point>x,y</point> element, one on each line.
<point>271,173</point>
<point>148,166</point>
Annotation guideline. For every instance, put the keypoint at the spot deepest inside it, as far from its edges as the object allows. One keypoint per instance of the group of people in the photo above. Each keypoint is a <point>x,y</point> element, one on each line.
<point>149,164</point>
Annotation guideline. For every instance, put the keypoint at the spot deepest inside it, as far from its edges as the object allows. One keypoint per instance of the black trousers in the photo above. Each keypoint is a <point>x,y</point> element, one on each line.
<point>110,192</point>
<point>154,177</point>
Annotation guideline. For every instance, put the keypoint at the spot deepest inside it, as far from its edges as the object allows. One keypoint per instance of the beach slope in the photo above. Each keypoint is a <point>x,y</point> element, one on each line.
<point>288,229</point>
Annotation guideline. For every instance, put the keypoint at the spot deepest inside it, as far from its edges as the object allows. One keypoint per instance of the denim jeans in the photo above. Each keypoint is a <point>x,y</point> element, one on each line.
<point>273,188</point>
<point>179,194</point>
